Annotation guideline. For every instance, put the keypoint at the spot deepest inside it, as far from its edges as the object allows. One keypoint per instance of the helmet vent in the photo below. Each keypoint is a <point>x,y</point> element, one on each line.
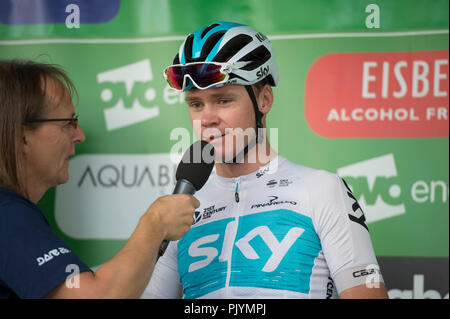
<point>207,30</point>
<point>176,60</point>
<point>257,58</point>
<point>210,43</point>
<point>232,47</point>
<point>188,48</point>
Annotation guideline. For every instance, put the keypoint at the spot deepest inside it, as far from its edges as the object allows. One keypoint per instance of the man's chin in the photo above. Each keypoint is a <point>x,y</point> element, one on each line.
<point>228,158</point>
<point>223,158</point>
<point>63,179</point>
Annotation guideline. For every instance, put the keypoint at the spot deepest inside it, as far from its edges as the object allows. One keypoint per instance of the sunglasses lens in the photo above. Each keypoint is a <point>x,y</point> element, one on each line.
<point>175,77</point>
<point>203,74</point>
<point>208,74</point>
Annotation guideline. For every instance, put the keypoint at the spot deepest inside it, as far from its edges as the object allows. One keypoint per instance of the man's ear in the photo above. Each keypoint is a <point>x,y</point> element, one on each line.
<point>26,136</point>
<point>265,99</point>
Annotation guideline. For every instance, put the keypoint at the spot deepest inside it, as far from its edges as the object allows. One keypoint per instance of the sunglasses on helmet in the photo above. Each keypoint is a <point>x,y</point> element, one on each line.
<point>202,74</point>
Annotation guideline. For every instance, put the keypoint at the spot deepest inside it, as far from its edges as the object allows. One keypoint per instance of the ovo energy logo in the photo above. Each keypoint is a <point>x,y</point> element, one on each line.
<point>377,181</point>
<point>383,193</point>
<point>127,93</point>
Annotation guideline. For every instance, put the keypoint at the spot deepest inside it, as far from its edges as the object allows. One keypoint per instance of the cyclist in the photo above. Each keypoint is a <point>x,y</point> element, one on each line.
<point>266,227</point>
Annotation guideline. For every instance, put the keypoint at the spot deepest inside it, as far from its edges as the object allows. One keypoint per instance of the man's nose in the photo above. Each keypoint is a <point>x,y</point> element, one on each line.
<point>209,116</point>
<point>79,136</point>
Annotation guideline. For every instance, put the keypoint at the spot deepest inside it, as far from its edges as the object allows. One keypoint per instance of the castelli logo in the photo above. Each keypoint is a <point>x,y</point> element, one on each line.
<point>379,95</point>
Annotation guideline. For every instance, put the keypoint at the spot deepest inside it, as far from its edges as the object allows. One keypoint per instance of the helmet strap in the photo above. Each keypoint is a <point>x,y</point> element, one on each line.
<point>258,113</point>
<point>258,138</point>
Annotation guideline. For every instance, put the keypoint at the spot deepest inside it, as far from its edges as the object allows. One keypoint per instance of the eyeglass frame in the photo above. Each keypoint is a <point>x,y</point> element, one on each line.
<point>73,121</point>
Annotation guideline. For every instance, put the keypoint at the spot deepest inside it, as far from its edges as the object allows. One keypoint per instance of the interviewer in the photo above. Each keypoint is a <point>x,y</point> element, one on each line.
<point>38,133</point>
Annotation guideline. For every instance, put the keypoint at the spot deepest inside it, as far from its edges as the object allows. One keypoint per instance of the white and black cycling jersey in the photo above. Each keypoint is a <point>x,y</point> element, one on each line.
<point>284,231</point>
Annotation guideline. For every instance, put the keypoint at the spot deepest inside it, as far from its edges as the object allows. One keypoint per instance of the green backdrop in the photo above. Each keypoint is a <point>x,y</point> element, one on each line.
<point>398,167</point>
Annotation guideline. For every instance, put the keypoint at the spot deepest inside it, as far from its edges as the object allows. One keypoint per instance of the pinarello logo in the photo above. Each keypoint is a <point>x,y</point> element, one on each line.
<point>379,95</point>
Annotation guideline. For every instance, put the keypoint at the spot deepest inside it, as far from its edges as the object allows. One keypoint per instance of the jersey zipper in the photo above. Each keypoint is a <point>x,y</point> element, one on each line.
<point>233,237</point>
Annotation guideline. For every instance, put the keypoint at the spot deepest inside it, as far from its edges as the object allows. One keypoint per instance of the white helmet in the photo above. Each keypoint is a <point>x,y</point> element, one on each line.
<point>247,51</point>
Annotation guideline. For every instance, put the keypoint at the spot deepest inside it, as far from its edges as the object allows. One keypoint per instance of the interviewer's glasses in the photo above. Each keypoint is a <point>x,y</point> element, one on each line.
<point>73,121</point>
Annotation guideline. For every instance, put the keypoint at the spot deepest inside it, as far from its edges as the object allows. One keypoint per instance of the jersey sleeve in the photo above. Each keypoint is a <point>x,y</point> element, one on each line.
<point>33,259</point>
<point>344,235</point>
<point>165,280</point>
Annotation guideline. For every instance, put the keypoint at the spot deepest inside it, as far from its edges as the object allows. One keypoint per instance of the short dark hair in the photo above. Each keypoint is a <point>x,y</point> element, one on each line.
<point>22,98</point>
<point>259,85</point>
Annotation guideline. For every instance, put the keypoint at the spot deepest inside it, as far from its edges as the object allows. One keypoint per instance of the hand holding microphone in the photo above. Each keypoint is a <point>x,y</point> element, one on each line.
<point>171,215</point>
<point>192,173</point>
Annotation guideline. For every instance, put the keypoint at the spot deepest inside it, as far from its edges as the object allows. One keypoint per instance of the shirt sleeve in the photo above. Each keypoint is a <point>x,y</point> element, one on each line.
<point>165,282</point>
<point>33,259</point>
<point>344,235</point>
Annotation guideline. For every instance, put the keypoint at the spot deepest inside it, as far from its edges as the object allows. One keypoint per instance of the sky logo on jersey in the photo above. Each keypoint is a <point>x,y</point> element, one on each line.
<point>127,94</point>
<point>274,249</point>
<point>376,181</point>
<point>55,11</point>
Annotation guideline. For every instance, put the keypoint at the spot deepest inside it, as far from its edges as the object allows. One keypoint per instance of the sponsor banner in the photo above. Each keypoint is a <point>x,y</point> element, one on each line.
<point>415,277</point>
<point>383,95</point>
<point>123,187</point>
<point>385,202</point>
<point>394,204</point>
<point>57,11</point>
<point>118,85</point>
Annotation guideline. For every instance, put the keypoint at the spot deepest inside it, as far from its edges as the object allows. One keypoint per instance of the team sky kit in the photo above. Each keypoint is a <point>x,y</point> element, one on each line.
<point>285,231</point>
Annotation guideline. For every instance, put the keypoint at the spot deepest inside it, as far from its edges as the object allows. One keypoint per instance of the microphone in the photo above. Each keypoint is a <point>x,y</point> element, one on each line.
<point>192,173</point>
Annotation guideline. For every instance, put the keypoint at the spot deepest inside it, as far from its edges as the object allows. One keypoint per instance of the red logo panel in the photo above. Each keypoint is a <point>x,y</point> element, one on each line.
<point>379,95</point>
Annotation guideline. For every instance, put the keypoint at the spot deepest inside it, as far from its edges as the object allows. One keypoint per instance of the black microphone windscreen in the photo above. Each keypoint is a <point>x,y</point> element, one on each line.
<point>196,164</point>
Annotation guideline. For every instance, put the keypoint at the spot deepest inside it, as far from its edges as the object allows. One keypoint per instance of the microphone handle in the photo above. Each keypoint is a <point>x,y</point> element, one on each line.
<point>183,186</point>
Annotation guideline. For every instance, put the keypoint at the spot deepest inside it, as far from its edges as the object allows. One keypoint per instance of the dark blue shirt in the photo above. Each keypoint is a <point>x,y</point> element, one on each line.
<point>33,259</point>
